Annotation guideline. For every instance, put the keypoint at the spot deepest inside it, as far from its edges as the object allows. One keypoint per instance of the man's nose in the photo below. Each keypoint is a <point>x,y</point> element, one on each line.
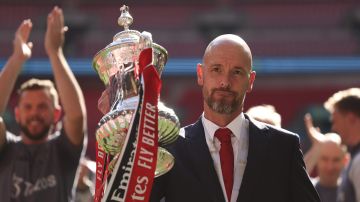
<point>329,165</point>
<point>225,80</point>
<point>34,111</point>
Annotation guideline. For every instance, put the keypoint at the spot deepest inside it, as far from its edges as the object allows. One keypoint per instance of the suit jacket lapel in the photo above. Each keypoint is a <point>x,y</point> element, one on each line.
<point>203,163</point>
<point>252,175</point>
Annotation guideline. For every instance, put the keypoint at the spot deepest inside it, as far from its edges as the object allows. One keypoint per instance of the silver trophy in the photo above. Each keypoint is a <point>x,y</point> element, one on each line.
<point>115,65</point>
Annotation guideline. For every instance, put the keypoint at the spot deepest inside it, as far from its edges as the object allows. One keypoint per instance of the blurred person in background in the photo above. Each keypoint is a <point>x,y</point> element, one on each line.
<point>344,107</point>
<point>326,154</point>
<point>265,113</point>
<point>328,157</point>
<point>40,164</point>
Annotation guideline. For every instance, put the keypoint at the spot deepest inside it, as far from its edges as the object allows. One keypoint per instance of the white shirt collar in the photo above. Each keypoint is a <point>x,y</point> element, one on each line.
<point>235,126</point>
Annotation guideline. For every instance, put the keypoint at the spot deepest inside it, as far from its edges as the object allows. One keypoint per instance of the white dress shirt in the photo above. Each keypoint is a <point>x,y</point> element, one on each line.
<point>240,142</point>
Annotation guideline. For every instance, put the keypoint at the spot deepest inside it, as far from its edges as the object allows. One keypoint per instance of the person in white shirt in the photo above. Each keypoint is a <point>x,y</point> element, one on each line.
<point>344,107</point>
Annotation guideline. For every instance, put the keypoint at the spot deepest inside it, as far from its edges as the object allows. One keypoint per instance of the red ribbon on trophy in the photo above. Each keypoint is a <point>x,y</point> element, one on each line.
<point>101,157</point>
<point>132,176</point>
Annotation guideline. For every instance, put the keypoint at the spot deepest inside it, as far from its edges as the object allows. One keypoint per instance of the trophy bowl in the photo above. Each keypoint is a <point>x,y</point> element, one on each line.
<point>116,64</point>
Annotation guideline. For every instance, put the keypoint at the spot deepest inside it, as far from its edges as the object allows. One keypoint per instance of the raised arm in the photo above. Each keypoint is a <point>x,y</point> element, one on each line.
<point>312,156</point>
<point>69,90</point>
<point>12,68</point>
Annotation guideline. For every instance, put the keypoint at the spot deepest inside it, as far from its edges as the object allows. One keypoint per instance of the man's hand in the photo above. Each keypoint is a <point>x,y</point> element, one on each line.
<point>313,133</point>
<point>12,68</point>
<point>55,31</point>
<point>70,94</point>
<point>22,48</point>
<point>312,155</point>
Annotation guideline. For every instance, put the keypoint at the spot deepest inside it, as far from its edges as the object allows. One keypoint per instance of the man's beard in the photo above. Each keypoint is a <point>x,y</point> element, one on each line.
<point>221,106</point>
<point>37,136</point>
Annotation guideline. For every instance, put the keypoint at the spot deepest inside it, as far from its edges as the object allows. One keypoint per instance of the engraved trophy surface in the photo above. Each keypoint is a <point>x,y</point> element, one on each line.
<point>116,66</point>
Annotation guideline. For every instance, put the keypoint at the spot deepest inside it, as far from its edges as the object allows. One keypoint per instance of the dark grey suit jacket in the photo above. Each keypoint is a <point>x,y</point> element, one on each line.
<point>274,172</point>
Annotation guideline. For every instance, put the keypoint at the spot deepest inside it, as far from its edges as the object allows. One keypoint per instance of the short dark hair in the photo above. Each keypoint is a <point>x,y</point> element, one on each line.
<point>345,101</point>
<point>38,84</point>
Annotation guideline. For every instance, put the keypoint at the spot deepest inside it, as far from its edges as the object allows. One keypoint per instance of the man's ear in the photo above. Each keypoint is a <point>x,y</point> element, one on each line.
<point>57,114</point>
<point>199,72</point>
<point>351,117</point>
<point>17,114</point>
<point>251,81</point>
<point>346,159</point>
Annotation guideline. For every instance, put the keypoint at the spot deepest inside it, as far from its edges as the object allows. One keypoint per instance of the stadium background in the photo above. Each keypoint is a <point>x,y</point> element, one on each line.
<point>304,50</point>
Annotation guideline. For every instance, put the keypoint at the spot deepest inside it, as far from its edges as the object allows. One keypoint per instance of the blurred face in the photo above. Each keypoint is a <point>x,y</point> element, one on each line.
<point>330,164</point>
<point>340,125</point>
<point>226,76</point>
<point>35,114</point>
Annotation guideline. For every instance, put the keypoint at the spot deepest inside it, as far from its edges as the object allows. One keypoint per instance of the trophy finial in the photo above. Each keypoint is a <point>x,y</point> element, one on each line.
<point>125,19</point>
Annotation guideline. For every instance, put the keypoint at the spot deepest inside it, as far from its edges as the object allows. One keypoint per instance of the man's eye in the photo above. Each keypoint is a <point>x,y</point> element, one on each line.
<point>42,107</point>
<point>215,69</point>
<point>239,72</point>
<point>27,107</point>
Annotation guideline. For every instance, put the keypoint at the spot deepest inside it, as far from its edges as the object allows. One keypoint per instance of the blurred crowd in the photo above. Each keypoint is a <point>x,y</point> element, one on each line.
<point>333,161</point>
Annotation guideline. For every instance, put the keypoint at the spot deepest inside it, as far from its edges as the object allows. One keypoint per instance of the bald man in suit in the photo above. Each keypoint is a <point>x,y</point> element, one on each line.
<point>267,163</point>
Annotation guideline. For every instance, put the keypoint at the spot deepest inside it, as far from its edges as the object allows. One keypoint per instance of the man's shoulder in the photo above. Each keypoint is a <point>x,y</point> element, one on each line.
<point>186,134</point>
<point>194,127</point>
<point>11,147</point>
<point>283,132</point>
<point>11,141</point>
<point>62,142</point>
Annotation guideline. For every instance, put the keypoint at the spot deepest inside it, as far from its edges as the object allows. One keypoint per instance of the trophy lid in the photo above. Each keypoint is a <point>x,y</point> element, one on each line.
<point>125,48</point>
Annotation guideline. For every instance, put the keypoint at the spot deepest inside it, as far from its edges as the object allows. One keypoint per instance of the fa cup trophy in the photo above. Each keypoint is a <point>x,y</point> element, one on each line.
<point>129,137</point>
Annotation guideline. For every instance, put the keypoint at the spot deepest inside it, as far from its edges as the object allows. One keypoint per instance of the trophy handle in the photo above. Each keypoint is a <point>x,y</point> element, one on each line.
<point>165,161</point>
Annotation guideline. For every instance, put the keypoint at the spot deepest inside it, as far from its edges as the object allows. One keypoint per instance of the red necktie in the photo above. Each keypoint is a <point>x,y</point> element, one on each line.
<point>226,159</point>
